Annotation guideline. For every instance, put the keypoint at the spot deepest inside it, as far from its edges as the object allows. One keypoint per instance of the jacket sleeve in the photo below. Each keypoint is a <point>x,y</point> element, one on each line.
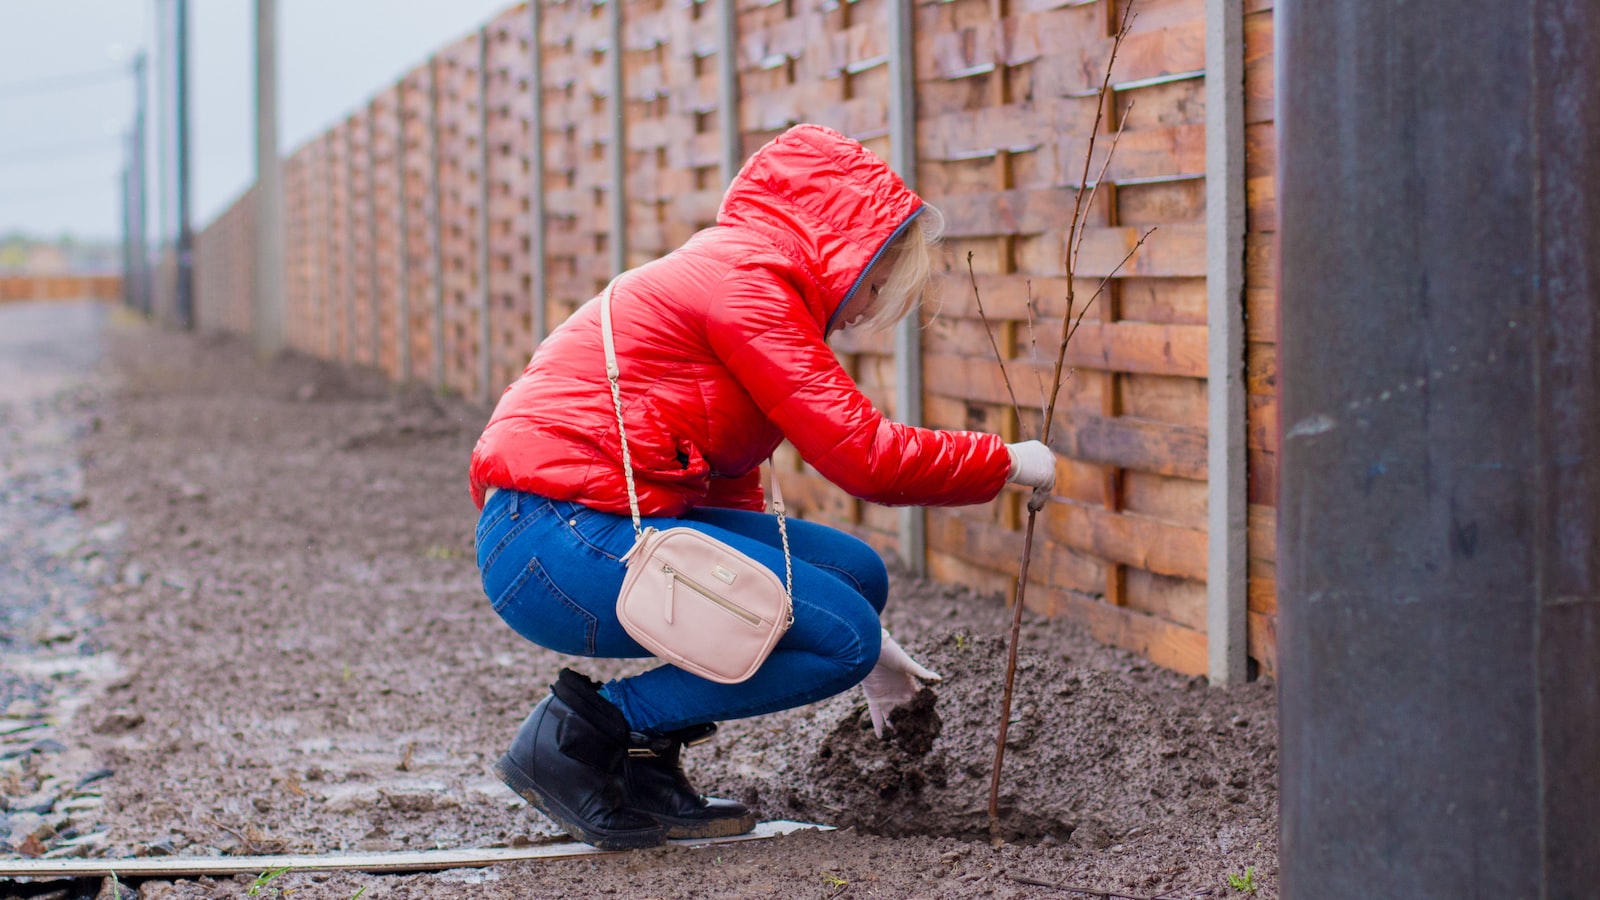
<point>743,492</point>
<point>760,328</point>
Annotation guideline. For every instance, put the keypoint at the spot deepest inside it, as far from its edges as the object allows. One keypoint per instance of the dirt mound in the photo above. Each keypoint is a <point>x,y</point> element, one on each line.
<point>1089,755</point>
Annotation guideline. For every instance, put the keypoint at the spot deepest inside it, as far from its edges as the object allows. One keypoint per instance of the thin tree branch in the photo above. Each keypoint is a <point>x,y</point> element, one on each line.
<point>1098,180</point>
<point>1015,406</point>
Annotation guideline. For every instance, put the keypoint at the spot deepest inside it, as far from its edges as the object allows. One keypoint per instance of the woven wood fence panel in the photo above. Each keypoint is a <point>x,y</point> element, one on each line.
<point>417,193</point>
<point>60,287</point>
<point>340,259</point>
<point>224,270</point>
<point>1006,109</point>
<point>359,341</point>
<point>296,222</point>
<point>384,232</point>
<point>1261,329</point>
<point>460,202</point>
<point>824,63</point>
<point>1005,103</point>
<point>690,186</point>
<point>510,208</point>
<point>569,238</point>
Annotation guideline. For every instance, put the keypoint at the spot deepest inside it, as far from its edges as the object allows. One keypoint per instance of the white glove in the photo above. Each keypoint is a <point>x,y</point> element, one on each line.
<point>892,682</point>
<point>1034,465</point>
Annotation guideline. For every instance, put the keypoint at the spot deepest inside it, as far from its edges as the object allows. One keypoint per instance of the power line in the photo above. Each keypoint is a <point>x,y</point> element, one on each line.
<point>34,86</point>
<point>53,152</point>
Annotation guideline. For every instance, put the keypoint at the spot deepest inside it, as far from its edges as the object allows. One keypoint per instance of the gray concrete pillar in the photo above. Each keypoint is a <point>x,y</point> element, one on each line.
<point>1440,522</point>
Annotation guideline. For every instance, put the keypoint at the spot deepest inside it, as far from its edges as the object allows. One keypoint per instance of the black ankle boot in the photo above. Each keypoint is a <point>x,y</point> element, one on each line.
<point>567,760</point>
<point>657,787</point>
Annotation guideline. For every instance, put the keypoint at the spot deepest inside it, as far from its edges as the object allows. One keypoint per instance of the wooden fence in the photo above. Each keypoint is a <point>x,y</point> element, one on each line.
<point>60,287</point>
<point>431,235</point>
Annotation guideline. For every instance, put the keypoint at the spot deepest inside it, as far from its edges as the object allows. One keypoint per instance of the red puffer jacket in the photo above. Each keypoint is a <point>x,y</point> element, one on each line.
<point>722,356</point>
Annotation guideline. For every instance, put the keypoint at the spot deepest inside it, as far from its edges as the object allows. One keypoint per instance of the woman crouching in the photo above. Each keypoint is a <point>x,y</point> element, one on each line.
<point>722,353</point>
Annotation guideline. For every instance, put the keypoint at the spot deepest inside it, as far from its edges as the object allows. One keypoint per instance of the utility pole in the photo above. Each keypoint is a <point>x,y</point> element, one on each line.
<point>185,285</point>
<point>126,182</point>
<point>269,187</point>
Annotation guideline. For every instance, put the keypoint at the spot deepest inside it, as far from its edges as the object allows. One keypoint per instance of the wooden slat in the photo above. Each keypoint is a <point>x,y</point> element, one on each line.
<point>1181,601</point>
<point>1128,539</point>
<point>1154,349</point>
<point>1164,643</point>
<point>1262,639</point>
<point>1260,90</point>
<point>1262,418</point>
<point>1263,468</point>
<point>1261,368</point>
<point>1131,443</point>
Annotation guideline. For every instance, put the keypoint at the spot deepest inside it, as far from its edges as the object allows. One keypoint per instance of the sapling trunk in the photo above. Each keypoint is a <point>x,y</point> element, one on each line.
<point>1083,199</point>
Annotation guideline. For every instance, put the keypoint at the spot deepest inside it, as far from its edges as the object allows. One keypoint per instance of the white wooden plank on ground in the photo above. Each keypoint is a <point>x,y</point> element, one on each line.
<point>407,861</point>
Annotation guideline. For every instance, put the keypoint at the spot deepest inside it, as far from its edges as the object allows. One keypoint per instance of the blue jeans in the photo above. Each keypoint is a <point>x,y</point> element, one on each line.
<point>552,570</point>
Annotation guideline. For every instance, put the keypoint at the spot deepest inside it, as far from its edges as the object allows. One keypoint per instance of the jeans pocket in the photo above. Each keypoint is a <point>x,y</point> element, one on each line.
<point>536,608</point>
<point>594,530</point>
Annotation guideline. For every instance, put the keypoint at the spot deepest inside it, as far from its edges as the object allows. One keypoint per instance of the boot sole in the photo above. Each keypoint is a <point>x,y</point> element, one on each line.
<point>529,790</point>
<point>681,829</point>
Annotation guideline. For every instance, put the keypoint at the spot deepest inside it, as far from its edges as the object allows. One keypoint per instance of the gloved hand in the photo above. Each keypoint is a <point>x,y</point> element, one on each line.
<point>1034,465</point>
<point>891,682</point>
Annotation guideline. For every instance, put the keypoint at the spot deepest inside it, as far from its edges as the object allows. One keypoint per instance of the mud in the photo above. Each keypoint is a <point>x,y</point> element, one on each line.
<point>310,666</point>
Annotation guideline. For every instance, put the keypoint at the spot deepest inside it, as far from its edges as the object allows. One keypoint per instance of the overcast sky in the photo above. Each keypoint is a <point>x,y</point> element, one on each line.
<point>60,136</point>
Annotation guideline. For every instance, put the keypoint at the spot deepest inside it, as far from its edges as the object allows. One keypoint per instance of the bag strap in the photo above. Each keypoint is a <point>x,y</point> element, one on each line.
<point>612,376</point>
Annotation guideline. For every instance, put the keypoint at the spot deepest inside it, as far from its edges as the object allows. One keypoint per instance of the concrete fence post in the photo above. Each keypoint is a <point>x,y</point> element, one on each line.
<point>908,333</point>
<point>732,156</point>
<point>269,248</point>
<point>1227,589</point>
<point>617,109</point>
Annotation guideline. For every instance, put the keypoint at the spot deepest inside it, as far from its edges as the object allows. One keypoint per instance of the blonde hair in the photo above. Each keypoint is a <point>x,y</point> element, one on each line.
<point>911,256</point>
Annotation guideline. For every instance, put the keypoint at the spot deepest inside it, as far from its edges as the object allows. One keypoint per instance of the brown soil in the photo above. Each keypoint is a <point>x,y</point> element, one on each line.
<point>310,666</point>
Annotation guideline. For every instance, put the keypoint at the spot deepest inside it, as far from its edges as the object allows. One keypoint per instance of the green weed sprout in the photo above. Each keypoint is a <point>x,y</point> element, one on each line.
<point>260,885</point>
<point>1245,882</point>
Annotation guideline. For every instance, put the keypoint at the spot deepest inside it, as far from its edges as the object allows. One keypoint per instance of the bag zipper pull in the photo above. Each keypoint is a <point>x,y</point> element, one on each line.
<point>672,591</point>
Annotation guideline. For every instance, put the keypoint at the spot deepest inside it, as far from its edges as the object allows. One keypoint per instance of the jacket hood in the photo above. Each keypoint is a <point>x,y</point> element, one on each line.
<point>825,200</point>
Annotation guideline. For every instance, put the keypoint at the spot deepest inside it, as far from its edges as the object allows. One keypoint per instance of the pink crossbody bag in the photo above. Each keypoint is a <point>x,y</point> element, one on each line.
<point>688,598</point>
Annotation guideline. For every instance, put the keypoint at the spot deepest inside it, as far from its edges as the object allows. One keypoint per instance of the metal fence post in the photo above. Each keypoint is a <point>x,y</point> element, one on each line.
<point>908,333</point>
<point>1227,591</point>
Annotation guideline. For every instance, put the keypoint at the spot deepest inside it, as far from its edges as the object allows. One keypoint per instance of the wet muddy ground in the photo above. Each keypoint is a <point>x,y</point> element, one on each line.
<point>261,579</point>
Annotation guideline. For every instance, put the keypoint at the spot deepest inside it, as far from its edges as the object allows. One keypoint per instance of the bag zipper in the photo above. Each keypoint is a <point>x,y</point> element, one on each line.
<point>745,614</point>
